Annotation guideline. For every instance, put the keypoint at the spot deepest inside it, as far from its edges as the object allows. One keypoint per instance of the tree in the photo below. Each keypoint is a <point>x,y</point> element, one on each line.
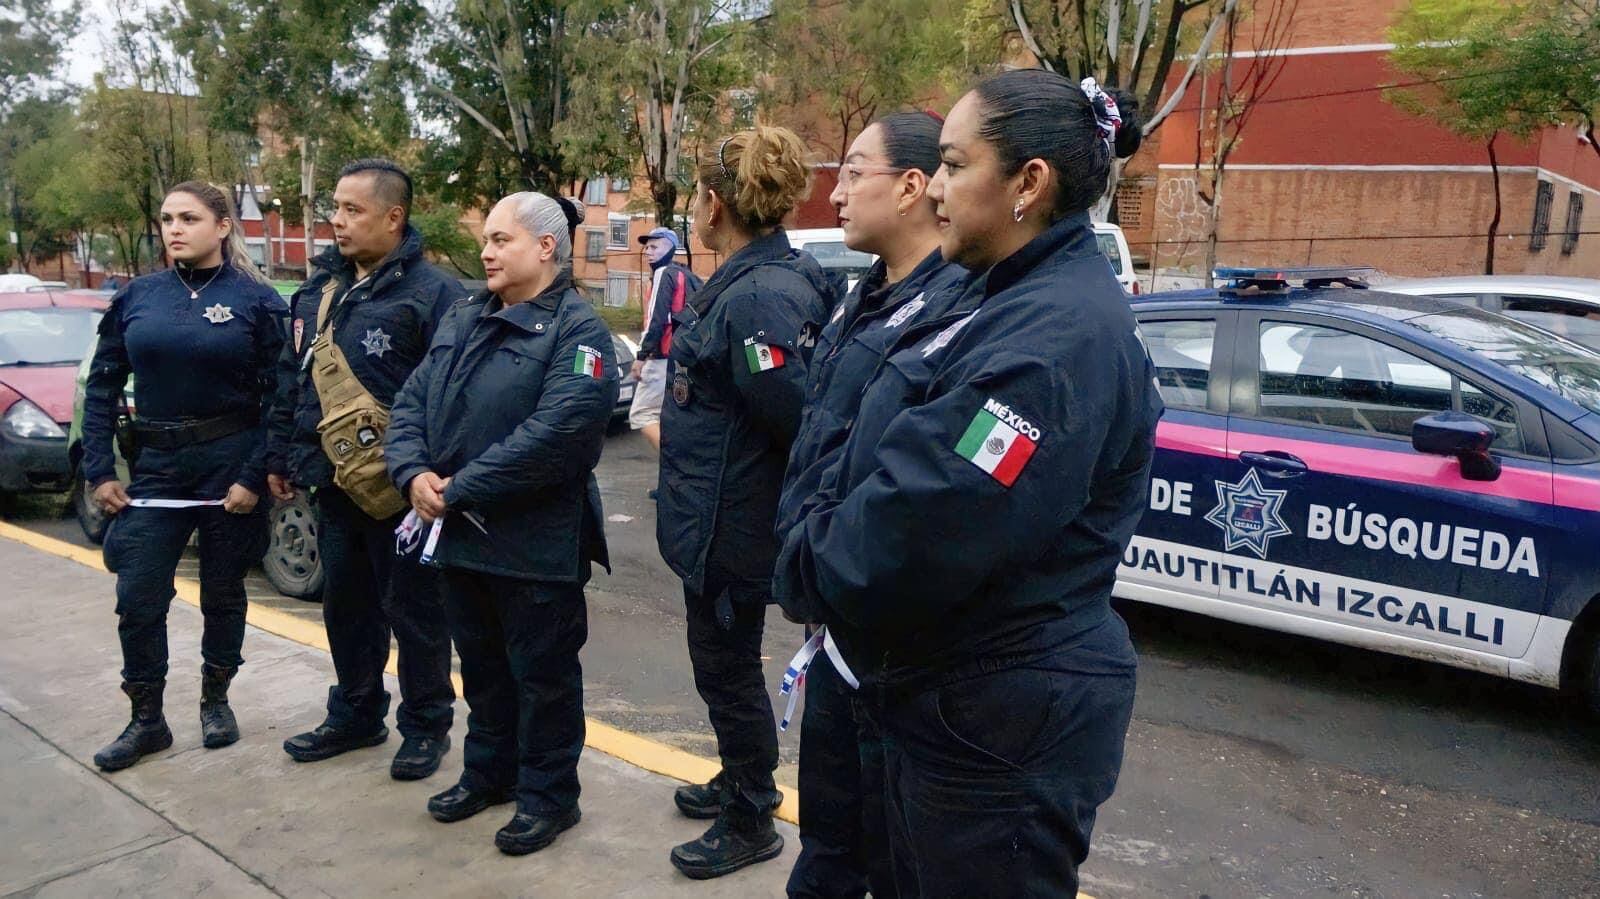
<point>499,71</point>
<point>443,235</point>
<point>32,35</point>
<point>298,65</point>
<point>653,73</point>
<point>1457,50</point>
<point>1242,84</point>
<point>853,60</point>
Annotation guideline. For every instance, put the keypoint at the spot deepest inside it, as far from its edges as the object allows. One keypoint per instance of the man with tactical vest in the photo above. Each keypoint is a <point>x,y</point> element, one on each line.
<point>360,324</point>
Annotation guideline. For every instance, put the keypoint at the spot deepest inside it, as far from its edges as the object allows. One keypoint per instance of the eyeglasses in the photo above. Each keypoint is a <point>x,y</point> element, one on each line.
<point>850,172</point>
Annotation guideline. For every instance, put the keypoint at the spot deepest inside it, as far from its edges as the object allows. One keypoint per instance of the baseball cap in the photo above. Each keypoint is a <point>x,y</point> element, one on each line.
<point>666,233</point>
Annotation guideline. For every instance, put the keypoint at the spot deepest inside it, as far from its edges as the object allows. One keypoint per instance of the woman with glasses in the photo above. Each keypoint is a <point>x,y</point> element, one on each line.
<point>739,352</point>
<point>965,546</point>
<point>884,209</point>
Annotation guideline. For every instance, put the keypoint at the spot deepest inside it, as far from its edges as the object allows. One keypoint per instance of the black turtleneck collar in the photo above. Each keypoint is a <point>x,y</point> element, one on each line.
<point>1072,235</point>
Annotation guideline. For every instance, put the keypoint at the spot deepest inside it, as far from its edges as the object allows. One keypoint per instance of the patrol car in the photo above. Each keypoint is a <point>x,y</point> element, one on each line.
<point>1400,473</point>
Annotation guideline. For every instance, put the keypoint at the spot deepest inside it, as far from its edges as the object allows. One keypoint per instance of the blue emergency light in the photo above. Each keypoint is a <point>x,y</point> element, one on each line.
<point>1278,280</point>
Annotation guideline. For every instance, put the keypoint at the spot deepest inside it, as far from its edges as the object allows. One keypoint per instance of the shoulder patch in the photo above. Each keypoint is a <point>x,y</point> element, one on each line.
<point>999,441</point>
<point>762,356</point>
<point>587,362</point>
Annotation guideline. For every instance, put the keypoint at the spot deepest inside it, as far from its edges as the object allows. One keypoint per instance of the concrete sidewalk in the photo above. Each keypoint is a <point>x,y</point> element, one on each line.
<point>248,821</point>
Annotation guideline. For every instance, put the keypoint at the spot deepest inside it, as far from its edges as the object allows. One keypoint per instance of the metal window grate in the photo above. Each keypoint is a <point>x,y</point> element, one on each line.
<point>619,232</point>
<point>1130,205</point>
<point>594,248</point>
<point>1541,216</point>
<point>1569,241</point>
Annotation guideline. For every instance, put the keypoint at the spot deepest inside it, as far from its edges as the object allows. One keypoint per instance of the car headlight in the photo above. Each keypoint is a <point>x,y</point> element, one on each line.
<point>28,421</point>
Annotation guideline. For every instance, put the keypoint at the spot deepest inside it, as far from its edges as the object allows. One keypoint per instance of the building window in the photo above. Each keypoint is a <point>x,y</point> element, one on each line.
<point>1569,241</point>
<point>619,232</point>
<point>594,192</point>
<point>1541,216</point>
<point>621,185</point>
<point>618,287</point>
<point>594,248</point>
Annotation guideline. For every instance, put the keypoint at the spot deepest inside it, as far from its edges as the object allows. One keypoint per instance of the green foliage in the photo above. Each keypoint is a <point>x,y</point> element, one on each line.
<point>1485,65</point>
<point>447,239</point>
<point>857,59</point>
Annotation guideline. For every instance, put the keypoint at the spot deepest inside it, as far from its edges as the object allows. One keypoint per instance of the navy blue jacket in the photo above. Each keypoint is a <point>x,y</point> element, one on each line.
<point>858,336</point>
<point>661,309</point>
<point>512,404</point>
<point>384,326</point>
<point>740,348</point>
<point>191,359</point>
<point>998,465</point>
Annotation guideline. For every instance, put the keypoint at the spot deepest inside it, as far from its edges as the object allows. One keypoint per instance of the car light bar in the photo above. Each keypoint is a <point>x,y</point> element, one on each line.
<point>1241,278</point>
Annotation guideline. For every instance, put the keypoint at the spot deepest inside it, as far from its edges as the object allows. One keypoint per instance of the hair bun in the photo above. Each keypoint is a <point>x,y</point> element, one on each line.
<point>1131,134</point>
<point>771,176</point>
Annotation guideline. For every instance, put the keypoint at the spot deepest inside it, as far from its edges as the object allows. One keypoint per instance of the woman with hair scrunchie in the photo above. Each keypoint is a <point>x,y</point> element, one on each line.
<point>964,548</point>
<point>740,349</point>
<point>200,340</point>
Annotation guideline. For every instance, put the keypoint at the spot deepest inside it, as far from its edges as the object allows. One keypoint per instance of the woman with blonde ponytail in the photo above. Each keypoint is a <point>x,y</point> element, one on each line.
<point>739,352</point>
<point>201,339</point>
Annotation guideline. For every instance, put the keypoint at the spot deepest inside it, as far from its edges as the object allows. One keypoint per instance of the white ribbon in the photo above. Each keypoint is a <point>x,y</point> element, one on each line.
<point>173,503</point>
<point>795,675</point>
<point>407,535</point>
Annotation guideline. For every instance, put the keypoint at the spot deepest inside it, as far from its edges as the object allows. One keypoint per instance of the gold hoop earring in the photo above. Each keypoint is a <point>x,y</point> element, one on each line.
<point>1016,212</point>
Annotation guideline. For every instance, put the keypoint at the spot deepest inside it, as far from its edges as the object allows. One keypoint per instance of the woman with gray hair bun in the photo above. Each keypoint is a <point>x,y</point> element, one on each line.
<point>494,439</point>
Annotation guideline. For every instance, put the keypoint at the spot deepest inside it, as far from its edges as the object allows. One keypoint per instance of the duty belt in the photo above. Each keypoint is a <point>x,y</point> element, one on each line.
<point>184,432</point>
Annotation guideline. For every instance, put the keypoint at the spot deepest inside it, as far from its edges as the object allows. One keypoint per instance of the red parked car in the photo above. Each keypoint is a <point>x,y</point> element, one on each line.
<point>44,334</point>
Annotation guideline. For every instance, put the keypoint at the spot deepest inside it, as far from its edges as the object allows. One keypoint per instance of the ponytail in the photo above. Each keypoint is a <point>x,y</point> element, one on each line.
<point>220,202</point>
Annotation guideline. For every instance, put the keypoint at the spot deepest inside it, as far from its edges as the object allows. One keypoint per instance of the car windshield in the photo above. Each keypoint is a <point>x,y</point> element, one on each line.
<point>834,256</point>
<point>1112,252</point>
<point>1565,367</point>
<point>46,336</point>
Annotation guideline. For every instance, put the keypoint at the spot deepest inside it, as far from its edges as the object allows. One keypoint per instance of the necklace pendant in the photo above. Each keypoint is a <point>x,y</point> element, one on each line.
<point>194,294</point>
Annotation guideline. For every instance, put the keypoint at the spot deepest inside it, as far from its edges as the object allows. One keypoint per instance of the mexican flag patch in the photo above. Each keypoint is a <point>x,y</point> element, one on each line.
<point>999,441</point>
<point>762,356</point>
<point>588,363</point>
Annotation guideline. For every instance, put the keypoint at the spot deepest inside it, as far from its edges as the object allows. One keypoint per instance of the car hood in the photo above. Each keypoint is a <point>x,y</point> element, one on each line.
<point>47,386</point>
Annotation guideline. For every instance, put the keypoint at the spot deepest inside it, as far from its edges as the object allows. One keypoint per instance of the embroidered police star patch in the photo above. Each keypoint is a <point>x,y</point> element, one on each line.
<point>762,356</point>
<point>218,314</point>
<point>377,342</point>
<point>999,441</point>
<point>587,362</point>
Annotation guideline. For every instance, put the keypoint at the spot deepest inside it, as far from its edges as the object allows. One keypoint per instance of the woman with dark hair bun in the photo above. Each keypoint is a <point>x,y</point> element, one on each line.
<point>884,209</point>
<point>739,353</point>
<point>964,546</point>
<point>201,340</point>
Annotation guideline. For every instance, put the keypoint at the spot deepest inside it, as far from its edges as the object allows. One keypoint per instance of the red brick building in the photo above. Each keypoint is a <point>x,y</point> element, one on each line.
<point>1329,172</point>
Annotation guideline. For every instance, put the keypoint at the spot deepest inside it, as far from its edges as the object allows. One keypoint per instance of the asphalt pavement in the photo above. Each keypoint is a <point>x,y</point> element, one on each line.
<point>1258,764</point>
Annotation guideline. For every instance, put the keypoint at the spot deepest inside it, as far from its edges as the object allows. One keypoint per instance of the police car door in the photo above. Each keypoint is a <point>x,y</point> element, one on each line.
<point>1170,558</point>
<point>1331,515</point>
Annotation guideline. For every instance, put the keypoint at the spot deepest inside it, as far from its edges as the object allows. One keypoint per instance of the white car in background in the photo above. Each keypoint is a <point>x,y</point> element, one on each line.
<point>827,246</point>
<point>1115,247</point>
<point>1569,307</point>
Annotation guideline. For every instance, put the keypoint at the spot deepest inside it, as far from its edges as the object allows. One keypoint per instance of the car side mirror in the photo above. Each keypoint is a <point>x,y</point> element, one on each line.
<point>1461,435</point>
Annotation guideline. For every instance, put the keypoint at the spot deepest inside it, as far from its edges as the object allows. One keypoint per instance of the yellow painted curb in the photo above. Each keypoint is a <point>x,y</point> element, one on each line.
<point>640,751</point>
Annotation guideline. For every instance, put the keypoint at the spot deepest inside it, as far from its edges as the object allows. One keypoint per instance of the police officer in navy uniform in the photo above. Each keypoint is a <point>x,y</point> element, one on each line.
<point>739,354</point>
<point>496,435</point>
<point>884,210</point>
<point>964,549</point>
<point>387,302</point>
<point>201,340</point>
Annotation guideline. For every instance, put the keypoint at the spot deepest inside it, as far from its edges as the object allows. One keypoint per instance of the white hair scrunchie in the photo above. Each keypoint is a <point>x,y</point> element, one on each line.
<point>1106,116</point>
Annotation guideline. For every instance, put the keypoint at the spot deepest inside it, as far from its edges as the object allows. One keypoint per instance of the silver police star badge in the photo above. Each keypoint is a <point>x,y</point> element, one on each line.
<point>1249,514</point>
<point>376,342</point>
<point>218,314</point>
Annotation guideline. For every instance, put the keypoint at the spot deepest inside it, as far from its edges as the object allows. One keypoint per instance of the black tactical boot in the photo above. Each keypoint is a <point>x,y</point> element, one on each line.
<point>147,732</point>
<point>217,725</point>
<point>326,741</point>
<point>741,837</point>
<point>702,801</point>
<point>527,833</point>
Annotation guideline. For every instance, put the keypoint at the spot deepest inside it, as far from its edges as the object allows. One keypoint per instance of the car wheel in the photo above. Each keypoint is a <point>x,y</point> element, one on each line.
<point>292,562</point>
<point>90,518</point>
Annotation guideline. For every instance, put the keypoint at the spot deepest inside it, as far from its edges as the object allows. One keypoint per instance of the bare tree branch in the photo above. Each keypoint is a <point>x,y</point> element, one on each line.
<point>1020,18</point>
<point>1201,52</point>
<point>472,111</point>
